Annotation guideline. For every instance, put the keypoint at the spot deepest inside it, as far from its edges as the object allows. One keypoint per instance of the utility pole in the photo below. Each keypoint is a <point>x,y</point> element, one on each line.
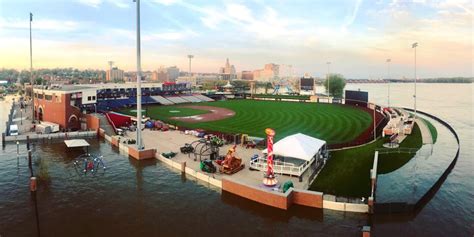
<point>328,63</point>
<point>31,75</point>
<point>414,45</point>
<point>388,73</point>
<point>139,83</point>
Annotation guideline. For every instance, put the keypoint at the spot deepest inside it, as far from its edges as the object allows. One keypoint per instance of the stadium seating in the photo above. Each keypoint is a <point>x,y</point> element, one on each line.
<point>161,100</point>
<point>176,99</point>
<point>203,98</point>
<point>191,98</point>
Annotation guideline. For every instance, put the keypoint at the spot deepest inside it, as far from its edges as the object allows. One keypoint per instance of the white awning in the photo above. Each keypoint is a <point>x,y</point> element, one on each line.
<point>76,143</point>
<point>298,146</point>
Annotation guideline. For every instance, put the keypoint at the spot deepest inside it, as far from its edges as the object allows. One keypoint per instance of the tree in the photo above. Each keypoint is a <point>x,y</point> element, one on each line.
<point>336,85</point>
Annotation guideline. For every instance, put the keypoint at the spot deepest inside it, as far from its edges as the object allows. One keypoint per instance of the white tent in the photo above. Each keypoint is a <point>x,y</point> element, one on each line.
<point>298,146</point>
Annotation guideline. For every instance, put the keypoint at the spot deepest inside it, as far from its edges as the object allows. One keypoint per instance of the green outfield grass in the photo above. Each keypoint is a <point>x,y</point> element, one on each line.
<point>347,172</point>
<point>333,123</point>
<point>170,111</point>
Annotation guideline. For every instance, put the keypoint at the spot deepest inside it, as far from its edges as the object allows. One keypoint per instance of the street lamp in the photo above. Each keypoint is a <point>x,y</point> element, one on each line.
<point>139,82</point>
<point>388,73</point>
<point>414,45</point>
<point>328,63</point>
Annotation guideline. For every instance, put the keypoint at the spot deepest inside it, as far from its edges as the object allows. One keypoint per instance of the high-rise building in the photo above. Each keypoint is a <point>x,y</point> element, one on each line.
<point>246,75</point>
<point>173,73</point>
<point>114,75</point>
<point>270,71</point>
<point>228,71</point>
<point>161,75</point>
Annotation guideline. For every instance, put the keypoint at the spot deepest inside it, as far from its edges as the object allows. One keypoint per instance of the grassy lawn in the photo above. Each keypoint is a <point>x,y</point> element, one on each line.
<point>333,123</point>
<point>292,97</point>
<point>166,111</point>
<point>347,172</point>
<point>433,131</point>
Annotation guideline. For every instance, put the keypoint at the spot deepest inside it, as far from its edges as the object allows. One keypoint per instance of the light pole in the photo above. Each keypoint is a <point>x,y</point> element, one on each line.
<point>31,75</point>
<point>190,57</point>
<point>139,82</point>
<point>388,73</point>
<point>414,45</point>
<point>328,63</point>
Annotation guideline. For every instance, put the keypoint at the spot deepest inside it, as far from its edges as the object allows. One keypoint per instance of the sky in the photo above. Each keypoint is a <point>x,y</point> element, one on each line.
<point>356,36</point>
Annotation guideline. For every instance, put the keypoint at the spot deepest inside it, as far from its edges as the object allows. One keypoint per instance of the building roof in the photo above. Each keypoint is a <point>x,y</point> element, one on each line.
<point>76,143</point>
<point>298,146</point>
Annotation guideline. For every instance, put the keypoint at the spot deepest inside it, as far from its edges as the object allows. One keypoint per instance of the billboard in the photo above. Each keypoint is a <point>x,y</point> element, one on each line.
<point>358,98</point>
<point>307,84</point>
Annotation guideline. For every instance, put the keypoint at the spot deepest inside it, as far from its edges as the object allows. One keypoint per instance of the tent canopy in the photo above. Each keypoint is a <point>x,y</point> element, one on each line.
<point>298,146</point>
<point>76,143</point>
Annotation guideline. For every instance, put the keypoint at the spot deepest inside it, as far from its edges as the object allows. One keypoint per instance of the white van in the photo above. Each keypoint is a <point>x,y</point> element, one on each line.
<point>14,130</point>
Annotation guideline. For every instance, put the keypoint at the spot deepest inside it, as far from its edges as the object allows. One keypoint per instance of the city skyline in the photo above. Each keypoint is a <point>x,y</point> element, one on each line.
<point>356,36</point>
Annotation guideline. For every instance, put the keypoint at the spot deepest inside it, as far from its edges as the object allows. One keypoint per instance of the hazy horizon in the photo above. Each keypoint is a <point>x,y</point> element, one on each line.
<point>356,36</point>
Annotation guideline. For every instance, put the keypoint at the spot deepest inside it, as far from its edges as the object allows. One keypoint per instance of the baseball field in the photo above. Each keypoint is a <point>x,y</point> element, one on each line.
<point>333,123</point>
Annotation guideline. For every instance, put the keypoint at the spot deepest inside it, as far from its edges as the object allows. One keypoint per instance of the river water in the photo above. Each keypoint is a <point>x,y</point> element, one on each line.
<point>147,198</point>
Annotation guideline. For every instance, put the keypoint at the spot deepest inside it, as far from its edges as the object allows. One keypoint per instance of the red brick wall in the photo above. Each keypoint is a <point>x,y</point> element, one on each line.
<point>273,199</point>
<point>93,122</point>
<point>59,112</point>
<point>53,111</point>
<point>310,199</point>
<point>141,155</point>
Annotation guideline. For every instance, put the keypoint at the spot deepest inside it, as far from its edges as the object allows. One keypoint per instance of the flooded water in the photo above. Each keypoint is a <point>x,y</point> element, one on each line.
<point>148,199</point>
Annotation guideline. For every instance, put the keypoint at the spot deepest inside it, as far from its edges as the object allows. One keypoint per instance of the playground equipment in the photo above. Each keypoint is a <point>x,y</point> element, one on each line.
<point>269,178</point>
<point>85,163</point>
<point>283,81</point>
<point>89,164</point>
<point>231,164</point>
<point>206,148</point>
<point>207,166</point>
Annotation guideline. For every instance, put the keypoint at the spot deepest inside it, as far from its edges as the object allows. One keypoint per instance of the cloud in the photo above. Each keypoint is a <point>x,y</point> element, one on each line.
<point>167,2</point>
<point>353,16</point>
<point>40,24</point>
<point>91,3</point>
<point>98,3</point>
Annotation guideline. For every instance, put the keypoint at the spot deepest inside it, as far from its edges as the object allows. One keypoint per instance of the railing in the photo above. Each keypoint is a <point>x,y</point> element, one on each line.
<point>279,167</point>
<point>398,150</point>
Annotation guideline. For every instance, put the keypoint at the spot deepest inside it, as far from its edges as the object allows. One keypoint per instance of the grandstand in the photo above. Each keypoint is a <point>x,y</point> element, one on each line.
<point>191,98</point>
<point>176,99</point>
<point>203,98</point>
<point>161,100</point>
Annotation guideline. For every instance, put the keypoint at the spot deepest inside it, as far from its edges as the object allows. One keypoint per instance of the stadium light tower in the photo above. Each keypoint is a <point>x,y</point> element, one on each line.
<point>388,74</point>
<point>139,82</point>
<point>414,45</point>
<point>328,63</point>
<point>31,74</point>
<point>190,58</point>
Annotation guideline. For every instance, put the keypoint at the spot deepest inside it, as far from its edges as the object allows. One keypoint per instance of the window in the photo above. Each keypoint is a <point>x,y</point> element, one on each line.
<point>40,96</point>
<point>93,97</point>
<point>89,98</point>
<point>48,97</point>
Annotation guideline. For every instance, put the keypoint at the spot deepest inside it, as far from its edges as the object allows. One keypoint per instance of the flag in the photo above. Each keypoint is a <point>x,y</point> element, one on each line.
<point>414,45</point>
<point>31,16</point>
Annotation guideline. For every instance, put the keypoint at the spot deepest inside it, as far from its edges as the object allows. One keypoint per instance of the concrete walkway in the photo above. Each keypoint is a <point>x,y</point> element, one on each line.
<point>173,140</point>
<point>425,131</point>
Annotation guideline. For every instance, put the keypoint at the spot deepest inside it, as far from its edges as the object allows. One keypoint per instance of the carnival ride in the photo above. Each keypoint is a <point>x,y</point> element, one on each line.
<point>204,148</point>
<point>231,164</point>
<point>86,163</point>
